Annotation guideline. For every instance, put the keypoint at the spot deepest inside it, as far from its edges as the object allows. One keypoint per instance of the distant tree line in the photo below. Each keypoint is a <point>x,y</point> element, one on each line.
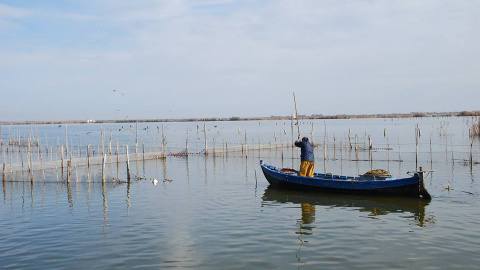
<point>237,118</point>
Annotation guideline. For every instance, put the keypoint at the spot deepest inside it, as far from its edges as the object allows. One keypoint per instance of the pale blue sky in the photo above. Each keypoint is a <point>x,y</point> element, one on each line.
<point>62,60</point>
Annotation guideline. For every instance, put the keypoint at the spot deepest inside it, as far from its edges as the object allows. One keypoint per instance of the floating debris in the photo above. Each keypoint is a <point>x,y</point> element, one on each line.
<point>447,186</point>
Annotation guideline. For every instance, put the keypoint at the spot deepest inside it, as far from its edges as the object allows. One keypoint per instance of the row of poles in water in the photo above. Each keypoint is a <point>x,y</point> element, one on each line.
<point>31,145</point>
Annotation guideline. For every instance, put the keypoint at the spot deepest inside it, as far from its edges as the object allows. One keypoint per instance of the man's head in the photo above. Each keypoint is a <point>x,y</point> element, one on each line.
<point>305,139</point>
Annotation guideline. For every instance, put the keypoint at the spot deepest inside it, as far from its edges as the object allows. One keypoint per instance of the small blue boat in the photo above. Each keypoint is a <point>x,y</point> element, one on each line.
<point>366,184</point>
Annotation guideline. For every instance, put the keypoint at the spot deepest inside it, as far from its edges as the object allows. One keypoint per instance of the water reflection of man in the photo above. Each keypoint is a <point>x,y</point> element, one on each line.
<point>308,218</point>
<point>308,213</point>
<point>307,157</point>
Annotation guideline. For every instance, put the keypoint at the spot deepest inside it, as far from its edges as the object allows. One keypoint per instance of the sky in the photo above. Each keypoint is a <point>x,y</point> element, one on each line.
<point>123,59</point>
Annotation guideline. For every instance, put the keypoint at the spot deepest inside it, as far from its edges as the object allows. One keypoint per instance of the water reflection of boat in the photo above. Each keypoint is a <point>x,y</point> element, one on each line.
<point>411,186</point>
<point>376,206</point>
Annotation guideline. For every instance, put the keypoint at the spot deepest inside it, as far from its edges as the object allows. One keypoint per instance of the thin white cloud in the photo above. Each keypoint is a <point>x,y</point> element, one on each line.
<point>12,12</point>
<point>5,24</point>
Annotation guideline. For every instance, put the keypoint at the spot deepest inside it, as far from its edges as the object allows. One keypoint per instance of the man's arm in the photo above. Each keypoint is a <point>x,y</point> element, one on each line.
<point>298,142</point>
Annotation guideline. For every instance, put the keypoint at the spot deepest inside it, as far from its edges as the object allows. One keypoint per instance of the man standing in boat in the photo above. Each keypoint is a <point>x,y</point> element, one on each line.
<point>307,157</point>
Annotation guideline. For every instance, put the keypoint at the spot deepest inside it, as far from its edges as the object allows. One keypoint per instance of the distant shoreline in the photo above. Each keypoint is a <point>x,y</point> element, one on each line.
<point>234,118</point>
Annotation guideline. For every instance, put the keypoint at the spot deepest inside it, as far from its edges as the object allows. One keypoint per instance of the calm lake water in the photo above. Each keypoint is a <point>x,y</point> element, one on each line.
<point>219,212</point>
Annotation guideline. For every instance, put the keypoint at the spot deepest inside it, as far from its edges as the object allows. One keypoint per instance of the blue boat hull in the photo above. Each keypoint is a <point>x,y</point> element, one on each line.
<point>412,186</point>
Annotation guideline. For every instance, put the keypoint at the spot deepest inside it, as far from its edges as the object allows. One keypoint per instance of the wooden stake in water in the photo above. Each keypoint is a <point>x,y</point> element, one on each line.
<point>255,168</point>
<point>128,165</point>
<point>136,136</point>
<point>46,144</point>
<point>103,142</point>
<point>41,160</point>
<point>259,148</point>
<point>21,158</point>
<point>446,148</point>
<point>214,152</point>
<point>164,143</point>
<point>334,147</point>
<point>370,150</point>
<point>431,156</point>
<point>416,146</point>
<point>116,141</point>
<point>296,114</point>
<point>325,149</point>
<point>186,144</point>
<point>72,157</point>
<point>69,163</point>
<point>66,139</point>
<point>88,156</point>
<point>11,159</point>
<point>276,143</point>
<point>61,154</point>
<point>246,145</point>
<point>38,150</point>
<point>205,137</point>
<point>388,154</point>
<point>311,136</point>
<point>399,156</point>
<point>341,150</point>
<point>350,138</point>
<point>364,139</point>
<point>471,154</point>
<point>356,143</point>
<point>104,157</point>
<point>325,142</point>
<point>293,140</point>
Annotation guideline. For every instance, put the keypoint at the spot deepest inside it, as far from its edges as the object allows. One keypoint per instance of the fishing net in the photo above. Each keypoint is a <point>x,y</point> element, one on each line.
<point>377,173</point>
